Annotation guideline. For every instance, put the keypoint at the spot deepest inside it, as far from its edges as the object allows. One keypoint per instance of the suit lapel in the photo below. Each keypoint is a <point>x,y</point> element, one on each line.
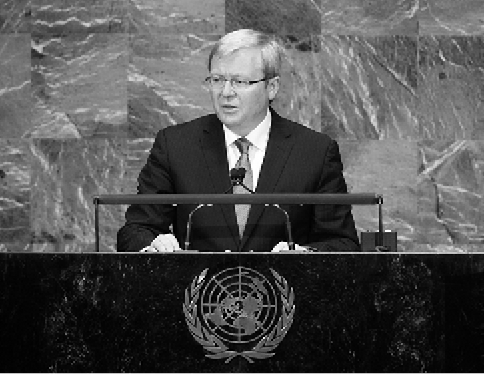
<point>214,150</point>
<point>278,149</point>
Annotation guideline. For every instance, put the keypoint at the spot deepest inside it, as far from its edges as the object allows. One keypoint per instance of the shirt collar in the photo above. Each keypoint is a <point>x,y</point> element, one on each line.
<point>257,137</point>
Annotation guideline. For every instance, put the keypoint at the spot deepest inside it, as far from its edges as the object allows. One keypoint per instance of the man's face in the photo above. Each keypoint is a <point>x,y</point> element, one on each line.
<point>241,110</point>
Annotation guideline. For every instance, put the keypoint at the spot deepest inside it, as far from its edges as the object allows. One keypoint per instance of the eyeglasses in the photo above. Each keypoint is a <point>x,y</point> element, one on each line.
<point>218,82</point>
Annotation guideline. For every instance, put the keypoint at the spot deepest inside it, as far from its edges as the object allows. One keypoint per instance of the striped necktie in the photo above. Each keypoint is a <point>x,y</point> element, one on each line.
<point>242,210</point>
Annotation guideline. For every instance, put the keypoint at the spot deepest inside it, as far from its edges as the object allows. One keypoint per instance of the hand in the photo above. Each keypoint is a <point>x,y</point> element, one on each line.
<point>163,243</point>
<point>284,246</point>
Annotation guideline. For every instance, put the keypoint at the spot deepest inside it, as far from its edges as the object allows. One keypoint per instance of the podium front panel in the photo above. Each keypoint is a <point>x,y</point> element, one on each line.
<point>241,312</point>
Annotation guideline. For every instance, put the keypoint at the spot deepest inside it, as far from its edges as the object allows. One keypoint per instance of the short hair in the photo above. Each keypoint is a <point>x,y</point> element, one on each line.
<point>270,46</point>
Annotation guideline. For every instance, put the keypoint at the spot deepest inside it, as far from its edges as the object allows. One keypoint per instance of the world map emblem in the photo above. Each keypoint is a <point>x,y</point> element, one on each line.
<point>239,312</point>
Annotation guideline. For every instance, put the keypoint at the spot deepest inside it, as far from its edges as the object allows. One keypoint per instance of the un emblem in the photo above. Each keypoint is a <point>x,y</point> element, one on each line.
<point>239,312</point>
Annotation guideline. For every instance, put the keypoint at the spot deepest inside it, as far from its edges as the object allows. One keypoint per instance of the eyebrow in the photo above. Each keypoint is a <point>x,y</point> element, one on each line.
<point>237,76</point>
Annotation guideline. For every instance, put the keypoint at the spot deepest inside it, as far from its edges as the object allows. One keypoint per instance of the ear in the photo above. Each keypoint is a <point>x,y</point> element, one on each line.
<point>273,87</point>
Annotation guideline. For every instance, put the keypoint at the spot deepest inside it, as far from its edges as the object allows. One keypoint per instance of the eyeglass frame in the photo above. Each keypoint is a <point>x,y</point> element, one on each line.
<point>246,83</point>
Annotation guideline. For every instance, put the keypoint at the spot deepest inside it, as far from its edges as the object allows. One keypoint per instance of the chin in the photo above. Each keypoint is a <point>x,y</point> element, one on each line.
<point>228,120</point>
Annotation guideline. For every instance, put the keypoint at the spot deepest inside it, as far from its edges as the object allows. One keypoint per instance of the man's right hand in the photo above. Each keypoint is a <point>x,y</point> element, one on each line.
<point>284,247</point>
<point>163,243</point>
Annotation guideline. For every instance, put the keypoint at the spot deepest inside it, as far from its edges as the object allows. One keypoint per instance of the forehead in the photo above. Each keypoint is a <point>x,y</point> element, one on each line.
<point>245,61</point>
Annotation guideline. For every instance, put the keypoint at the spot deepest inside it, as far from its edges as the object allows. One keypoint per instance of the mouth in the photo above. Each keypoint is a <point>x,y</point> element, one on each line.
<point>228,108</point>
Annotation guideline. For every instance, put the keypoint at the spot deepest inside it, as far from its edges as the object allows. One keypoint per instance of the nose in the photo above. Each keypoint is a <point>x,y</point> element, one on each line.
<point>227,91</point>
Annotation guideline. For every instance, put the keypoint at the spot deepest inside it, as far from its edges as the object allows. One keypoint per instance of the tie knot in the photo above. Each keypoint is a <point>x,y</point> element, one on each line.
<point>243,145</point>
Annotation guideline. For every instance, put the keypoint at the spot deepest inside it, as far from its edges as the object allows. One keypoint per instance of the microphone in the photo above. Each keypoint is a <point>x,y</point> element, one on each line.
<point>237,176</point>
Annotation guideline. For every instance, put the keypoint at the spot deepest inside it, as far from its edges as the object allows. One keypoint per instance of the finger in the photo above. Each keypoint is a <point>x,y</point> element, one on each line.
<point>281,246</point>
<point>300,248</point>
<point>160,244</point>
<point>174,245</point>
<point>277,247</point>
<point>170,243</point>
<point>148,249</point>
<point>166,243</point>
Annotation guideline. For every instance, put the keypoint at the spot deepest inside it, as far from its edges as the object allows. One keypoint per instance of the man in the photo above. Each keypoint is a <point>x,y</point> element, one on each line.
<point>279,156</point>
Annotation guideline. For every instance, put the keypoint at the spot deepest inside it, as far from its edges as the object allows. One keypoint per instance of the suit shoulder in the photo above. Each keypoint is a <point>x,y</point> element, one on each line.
<point>185,129</point>
<point>308,133</point>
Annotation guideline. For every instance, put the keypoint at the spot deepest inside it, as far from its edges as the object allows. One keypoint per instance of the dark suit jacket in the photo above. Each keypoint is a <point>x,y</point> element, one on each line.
<point>192,158</point>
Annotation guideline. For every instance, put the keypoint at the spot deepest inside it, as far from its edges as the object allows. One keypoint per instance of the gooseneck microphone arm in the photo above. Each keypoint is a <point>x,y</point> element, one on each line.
<point>189,224</point>
<point>290,241</point>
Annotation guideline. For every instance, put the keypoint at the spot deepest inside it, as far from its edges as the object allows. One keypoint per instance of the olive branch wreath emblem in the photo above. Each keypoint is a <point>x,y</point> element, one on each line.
<point>214,346</point>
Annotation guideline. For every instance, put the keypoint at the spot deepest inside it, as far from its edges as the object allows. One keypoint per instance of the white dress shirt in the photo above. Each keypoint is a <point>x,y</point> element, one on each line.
<point>258,138</point>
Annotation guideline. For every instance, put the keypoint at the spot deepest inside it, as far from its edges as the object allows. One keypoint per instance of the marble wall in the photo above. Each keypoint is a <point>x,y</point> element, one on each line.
<point>86,84</point>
